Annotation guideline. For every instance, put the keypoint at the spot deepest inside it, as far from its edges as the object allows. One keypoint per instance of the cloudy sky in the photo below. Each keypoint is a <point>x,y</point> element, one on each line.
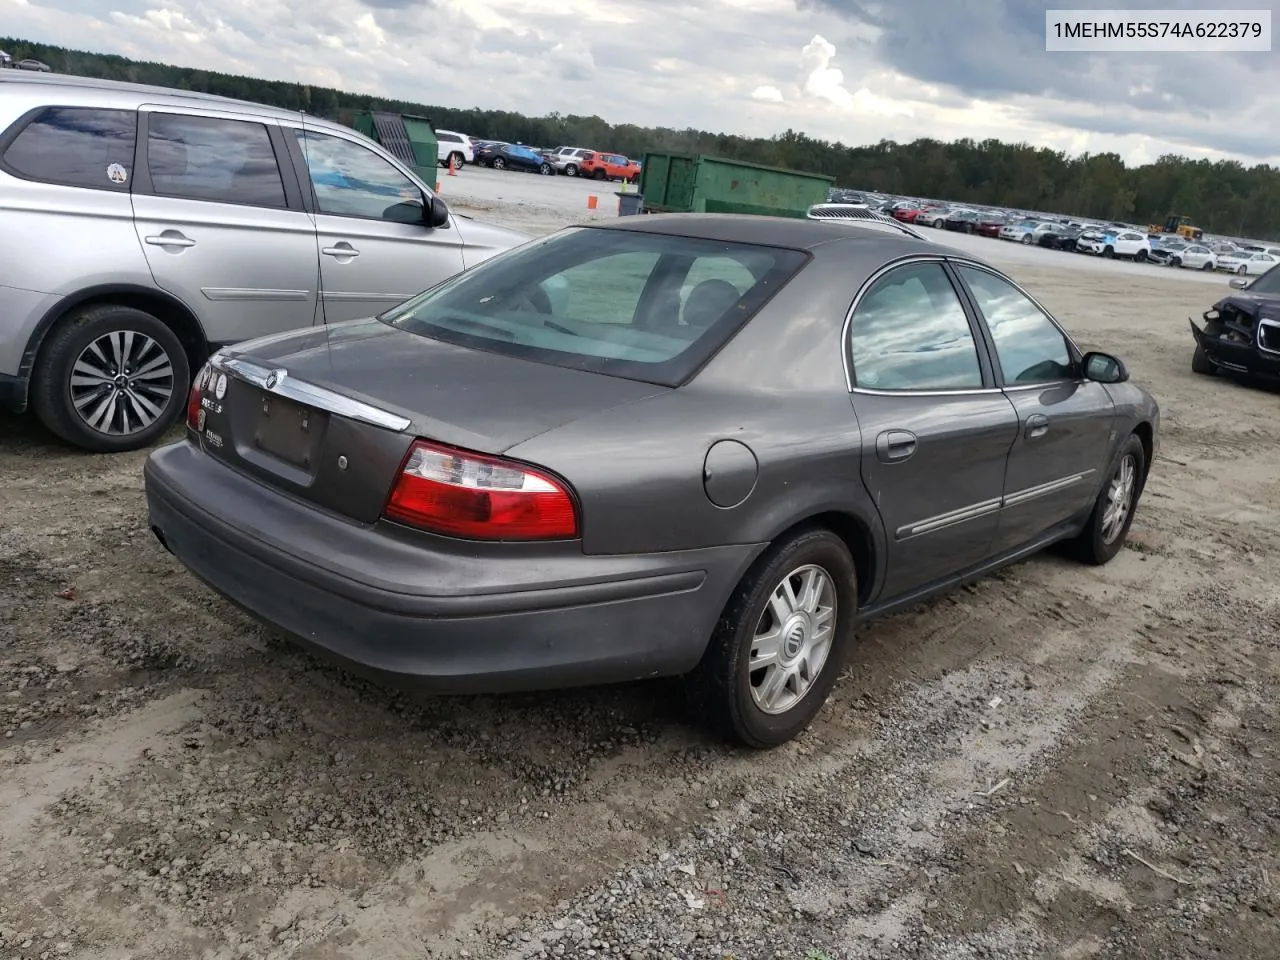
<point>849,70</point>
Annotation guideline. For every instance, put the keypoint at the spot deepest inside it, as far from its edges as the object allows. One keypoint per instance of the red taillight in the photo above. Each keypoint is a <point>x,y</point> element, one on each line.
<point>480,498</point>
<point>198,385</point>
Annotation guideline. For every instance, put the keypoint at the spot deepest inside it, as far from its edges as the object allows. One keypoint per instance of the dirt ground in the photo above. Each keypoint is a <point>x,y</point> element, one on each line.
<point>1059,761</point>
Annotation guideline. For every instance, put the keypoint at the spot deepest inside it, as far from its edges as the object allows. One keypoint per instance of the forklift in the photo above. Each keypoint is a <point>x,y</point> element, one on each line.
<point>1182,226</point>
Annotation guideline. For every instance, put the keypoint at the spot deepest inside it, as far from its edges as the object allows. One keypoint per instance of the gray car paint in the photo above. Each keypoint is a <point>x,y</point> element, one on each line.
<point>635,456</point>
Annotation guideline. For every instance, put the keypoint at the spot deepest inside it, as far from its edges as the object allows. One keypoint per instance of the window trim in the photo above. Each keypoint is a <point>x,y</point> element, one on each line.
<point>1073,349</point>
<point>20,125</point>
<point>312,202</point>
<point>143,186</point>
<point>976,330</point>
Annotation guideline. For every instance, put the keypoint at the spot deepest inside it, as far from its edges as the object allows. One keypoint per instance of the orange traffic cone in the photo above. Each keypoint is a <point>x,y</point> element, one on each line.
<point>592,201</point>
<point>453,170</point>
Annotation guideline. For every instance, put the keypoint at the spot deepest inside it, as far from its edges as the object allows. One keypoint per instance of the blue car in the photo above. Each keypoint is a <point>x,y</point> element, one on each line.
<point>517,157</point>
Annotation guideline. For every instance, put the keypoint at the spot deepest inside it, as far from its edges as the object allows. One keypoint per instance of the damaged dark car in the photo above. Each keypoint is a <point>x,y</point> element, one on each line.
<point>1241,332</point>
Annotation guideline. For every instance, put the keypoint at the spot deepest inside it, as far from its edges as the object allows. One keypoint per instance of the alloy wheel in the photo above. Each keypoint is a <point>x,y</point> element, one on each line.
<point>121,383</point>
<point>792,639</point>
<point>1119,499</point>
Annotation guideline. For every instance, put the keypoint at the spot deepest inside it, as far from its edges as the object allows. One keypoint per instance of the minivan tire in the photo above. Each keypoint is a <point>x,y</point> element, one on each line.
<point>51,396</point>
<point>720,689</point>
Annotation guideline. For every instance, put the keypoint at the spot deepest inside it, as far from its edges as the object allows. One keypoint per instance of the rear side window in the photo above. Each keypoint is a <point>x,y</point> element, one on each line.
<point>77,147</point>
<point>910,332</point>
<point>644,306</point>
<point>206,158</point>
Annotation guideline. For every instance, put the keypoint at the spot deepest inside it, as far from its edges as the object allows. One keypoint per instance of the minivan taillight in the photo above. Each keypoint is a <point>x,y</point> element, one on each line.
<point>477,497</point>
<point>198,385</point>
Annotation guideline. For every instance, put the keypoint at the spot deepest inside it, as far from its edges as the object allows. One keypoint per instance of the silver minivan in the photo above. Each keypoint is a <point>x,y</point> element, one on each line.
<point>142,228</point>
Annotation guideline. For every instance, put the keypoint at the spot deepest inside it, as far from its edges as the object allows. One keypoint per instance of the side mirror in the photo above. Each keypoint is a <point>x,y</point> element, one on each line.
<point>1104,368</point>
<point>1238,283</point>
<point>437,213</point>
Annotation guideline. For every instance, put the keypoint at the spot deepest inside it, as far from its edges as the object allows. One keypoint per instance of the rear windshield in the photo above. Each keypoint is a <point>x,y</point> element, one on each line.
<point>642,306</point>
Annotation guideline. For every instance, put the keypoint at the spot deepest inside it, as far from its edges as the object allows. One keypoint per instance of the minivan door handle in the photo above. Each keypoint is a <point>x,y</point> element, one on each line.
<point>895,445</point>
<point>341,249</point>
<point>171,238</point>
<point>1037,426</point>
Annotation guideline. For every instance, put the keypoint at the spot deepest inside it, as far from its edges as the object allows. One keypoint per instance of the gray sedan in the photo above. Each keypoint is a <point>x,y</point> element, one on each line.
<point>668,445</point>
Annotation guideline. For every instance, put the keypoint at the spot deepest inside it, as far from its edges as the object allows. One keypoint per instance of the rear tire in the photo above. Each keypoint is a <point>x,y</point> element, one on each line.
<point>1241,270</point>
<point>1200,362</point>
<point>1140,256</point>
<point>140,412</point>
<point>571,170</point>
<point>1026,238</point>
<point>546,170</point>
<point>1108,527</point>
<point>771,704</point>
<point>499,163</point>
<point>458,160</point>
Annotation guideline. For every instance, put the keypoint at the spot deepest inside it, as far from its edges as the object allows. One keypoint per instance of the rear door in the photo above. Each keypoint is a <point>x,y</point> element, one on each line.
<point>1065,422</point>
<point>376,249</point>
<point>218,210</point>
<point>936,431</point>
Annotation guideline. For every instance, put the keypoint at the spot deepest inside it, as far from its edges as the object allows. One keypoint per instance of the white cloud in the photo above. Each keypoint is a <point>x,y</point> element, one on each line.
<point>719,65</point>
<point>820,79</point>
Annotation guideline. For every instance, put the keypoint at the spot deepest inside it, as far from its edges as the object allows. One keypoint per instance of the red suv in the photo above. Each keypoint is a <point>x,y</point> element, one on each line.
<point>609,166</point>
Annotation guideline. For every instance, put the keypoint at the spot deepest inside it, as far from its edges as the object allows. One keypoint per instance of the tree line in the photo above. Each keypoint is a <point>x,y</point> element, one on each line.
<point>1221,197</point>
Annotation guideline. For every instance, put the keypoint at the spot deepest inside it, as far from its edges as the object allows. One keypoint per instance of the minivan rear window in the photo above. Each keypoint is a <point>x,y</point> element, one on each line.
<point>76,147</point>
<point>626,303</point>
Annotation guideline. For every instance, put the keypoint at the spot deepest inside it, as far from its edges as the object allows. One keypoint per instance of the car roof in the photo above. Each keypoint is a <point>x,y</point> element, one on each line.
<point>778,232</point>
<point>133,94</point>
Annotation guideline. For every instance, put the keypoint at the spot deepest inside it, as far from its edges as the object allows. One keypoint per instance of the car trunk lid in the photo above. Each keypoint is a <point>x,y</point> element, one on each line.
<point>328,414</point>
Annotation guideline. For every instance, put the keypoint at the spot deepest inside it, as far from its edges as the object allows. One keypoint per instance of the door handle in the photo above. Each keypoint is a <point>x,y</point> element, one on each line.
<point>894,445</point>
<point>1037,426</point>
<point>171,238</point>
<point>341,249</point>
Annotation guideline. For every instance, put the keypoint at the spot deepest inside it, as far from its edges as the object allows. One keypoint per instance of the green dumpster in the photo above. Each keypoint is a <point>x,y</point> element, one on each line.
<point>410,139</point>
<point>695,183</point>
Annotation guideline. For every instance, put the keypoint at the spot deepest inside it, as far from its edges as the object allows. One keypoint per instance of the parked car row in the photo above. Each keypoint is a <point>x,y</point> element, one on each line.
<point>1105,239</point>
<point>38,66</point>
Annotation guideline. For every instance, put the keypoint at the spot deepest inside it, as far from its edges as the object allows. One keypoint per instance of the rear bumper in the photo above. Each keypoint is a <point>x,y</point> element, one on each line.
<point>434,613</point>
<point>1243,358</point>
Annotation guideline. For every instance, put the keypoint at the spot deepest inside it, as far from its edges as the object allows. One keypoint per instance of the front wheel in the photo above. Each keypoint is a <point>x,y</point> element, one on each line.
<point>1208,265</point>
<point>1108,525</point>
<point>571,170</point>
<point>1140,256</point>
<point>779,645</point>
<point>458,160</point>
<point>111,379</point>
<point>1109,253</point>
<point>1026,238</point>
<point>499,163</point>
<point>1176,261</point>
<point>1242,270</point>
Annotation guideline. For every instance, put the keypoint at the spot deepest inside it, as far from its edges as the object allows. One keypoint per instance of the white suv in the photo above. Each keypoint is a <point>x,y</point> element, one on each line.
<point>1124,243</point>
<point>456,146</point>
<point>143,228</point>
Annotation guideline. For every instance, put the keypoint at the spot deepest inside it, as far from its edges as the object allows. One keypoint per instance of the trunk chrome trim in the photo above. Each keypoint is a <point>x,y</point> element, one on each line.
<point>944,520</point>
<point>249,293</point>
<point>277,380</point>
<point>1044,489</point>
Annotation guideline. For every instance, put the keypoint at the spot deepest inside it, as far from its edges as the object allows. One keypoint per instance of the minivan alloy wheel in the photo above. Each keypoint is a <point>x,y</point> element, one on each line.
<point>792,639</point>
<point>1119,499</point>
<point>121,382</point>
